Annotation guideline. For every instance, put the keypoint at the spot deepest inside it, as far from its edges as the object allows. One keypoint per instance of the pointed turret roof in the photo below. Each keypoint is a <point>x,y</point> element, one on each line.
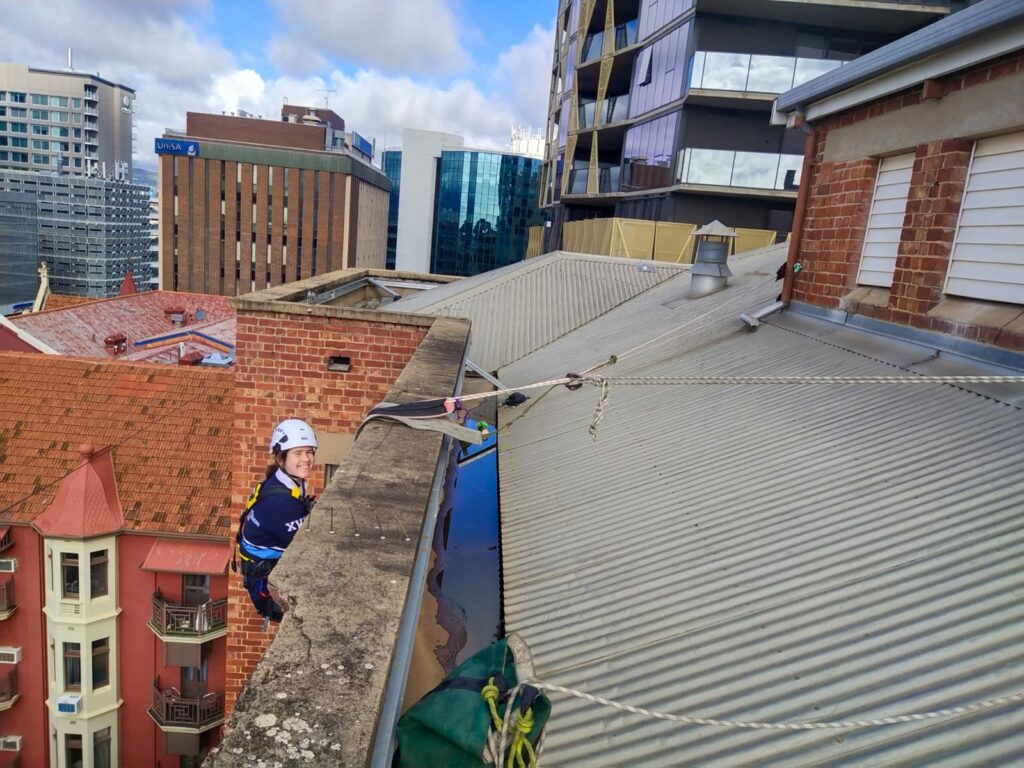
<point>86,504</point>
<point>128,286</point>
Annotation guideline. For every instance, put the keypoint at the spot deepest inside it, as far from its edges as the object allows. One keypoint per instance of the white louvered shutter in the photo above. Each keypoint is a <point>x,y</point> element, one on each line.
<point>885,222</point>
<point>988,253</point>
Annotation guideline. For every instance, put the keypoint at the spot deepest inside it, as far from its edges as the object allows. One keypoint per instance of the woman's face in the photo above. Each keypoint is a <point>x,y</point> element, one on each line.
<point>299,462</point>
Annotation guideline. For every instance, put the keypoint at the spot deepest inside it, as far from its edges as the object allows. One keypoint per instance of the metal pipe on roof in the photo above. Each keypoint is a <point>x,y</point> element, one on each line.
<point>798,214</point>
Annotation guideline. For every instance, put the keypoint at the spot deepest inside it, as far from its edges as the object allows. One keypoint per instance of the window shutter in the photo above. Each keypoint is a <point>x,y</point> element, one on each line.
<point>885,222</point>
<point>988,252</point>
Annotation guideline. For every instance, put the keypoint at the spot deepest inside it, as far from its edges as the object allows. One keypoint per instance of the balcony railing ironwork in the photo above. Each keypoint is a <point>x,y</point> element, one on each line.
<point>7,604</point>
<point>743,72</point>
<point>9,692</point>
<point>728,168</point>
<point>188,620</point>
<point>170,710</point>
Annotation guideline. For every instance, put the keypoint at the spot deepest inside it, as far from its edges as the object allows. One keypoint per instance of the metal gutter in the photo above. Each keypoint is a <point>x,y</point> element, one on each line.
<point>953,30</point>
<point>398,675</point>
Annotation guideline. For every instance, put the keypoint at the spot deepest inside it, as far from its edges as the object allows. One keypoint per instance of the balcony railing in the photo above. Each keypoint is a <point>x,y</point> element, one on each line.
<point>170,710</point>
<point>91,110</point>
<point>188,620</point>
<point>7,604</point>
<point>754,73</point>
<point>752,170</point>
<point>9,692</point>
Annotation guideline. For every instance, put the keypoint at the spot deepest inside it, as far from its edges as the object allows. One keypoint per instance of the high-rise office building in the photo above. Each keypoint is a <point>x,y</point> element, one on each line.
<point>391,164</point>
<point>19,249</point>
<point>90,231</point>
<point>459,211</point>
<point>74,122</point>
<point>247,203</point>
<point>659,109</point>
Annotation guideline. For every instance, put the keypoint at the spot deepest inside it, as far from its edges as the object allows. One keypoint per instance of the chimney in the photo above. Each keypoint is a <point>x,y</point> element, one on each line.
<point>709,272</point>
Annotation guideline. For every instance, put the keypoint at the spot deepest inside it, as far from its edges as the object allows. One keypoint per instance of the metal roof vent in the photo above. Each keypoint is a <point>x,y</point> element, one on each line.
<point>710,272</point>
<point>116,343</point>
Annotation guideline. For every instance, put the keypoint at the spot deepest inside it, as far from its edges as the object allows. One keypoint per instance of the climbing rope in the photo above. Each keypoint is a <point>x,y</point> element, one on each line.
<point>522,725</point>
<point>798,726</point>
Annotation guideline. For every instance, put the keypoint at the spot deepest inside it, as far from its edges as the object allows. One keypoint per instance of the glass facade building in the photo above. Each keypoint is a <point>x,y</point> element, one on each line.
<point>90,231</point>
<point>660,109</point>
<point>486,202</point>
<point>19,250</point>
<point>391,164</point>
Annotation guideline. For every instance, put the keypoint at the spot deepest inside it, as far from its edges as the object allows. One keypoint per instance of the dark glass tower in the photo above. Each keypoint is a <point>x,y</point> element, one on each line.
<point>391,162</point>
<point>661,109</point>
<point>486,202</point>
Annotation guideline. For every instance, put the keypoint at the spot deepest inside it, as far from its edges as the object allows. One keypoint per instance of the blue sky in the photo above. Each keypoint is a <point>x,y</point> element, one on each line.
<point>474,68</point>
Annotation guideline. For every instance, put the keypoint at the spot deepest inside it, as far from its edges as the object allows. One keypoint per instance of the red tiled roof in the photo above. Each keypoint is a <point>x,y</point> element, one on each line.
<point>128,285</point>
<point>184,556</point>
<point>86,502</point>
<point>140,317</point>
<point>60,301</point>
<point>170,428</point>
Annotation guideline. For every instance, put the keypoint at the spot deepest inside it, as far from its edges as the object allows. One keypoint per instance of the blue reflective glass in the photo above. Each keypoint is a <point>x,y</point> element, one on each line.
<point>486,203</point>
<point>391,160</point>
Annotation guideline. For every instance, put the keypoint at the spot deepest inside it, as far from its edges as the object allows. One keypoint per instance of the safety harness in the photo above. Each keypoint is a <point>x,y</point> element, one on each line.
<point>257,493</point>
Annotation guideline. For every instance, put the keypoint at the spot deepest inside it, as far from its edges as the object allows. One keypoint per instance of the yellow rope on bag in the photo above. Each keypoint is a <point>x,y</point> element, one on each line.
<point>490,694</point>
<point>523,726</point>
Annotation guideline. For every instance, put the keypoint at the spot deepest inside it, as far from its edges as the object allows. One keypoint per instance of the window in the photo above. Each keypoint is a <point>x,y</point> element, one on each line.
<point>19,157</point>
<point>19,127</point>
<point>58,101</point>
<point>40,159</point>
<point>17,97</point>
<point>101,748</point>
<point>40,114</point>
<point>40,144</point>
<point>18,112</point>
<point>40,99</point>
<point>644,71</point>
<point>72,667</point>
<point>69,575</point>
<point>98,573</point>
<point>75,103</point>
<point>195,589</point>
<point>22,143</point>
<point>986,259</point>
<point>100,663</point>
<point>885,222</point>
<point>73,749</point>
<point>78,132</point>
<point>40,130</point>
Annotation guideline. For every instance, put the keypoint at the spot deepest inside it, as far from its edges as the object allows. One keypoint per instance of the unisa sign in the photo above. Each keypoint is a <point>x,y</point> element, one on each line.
<point>177,147</point>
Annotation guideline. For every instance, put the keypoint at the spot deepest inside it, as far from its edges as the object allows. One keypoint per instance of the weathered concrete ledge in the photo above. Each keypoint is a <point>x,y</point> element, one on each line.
<point>315,695</point>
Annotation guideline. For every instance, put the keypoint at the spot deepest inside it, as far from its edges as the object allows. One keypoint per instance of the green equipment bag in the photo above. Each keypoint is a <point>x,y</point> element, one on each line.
<point>454,725</point>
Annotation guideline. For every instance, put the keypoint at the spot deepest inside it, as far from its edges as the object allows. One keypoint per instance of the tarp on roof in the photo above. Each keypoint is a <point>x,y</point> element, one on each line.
<point>185,556</point>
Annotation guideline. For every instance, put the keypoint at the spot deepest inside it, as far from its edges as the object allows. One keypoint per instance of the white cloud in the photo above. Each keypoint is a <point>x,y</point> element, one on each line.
<point>162,51</point>
<point>389,35</point>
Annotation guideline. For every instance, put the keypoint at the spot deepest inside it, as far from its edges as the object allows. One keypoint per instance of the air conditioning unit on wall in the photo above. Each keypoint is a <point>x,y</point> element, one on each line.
<point>69,704</point>
<point>8,564</point>
<point>10,743</point>
<point>9,654</point>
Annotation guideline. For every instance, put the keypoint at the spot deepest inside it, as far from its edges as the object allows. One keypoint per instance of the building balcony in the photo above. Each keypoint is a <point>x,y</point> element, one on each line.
<point>747,170</point>
<point>90,110</point>
<point>172,712</point>
<point>7,604</point>
<point>9,692</point>
<point>745,73</point>
<point>90,155</point>
<point>180,622</point>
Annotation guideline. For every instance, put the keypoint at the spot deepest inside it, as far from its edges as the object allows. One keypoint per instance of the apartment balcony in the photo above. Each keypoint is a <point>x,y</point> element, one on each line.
<point>90,155</point>
<point>776,174</point>
<point>720,78</point>
<point>172,712</point>
<point>9,692</point>
<point>7,604</point>
<point>184,622</point>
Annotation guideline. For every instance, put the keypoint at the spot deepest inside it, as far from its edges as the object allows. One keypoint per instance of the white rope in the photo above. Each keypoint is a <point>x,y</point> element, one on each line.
<point>799,726</point>
<point>690,380</point>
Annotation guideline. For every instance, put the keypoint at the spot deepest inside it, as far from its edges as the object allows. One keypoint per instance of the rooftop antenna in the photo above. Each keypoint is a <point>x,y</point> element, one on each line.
<point>70,67</point>
<point>325,92</point>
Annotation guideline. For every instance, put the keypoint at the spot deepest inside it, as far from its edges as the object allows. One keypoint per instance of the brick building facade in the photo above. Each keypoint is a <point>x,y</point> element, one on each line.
<point>247,203</point>
<point>915,179</point>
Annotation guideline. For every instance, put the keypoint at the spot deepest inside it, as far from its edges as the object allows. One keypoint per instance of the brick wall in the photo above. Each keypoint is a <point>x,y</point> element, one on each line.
<point>838,204</point>
<point>281,371</point>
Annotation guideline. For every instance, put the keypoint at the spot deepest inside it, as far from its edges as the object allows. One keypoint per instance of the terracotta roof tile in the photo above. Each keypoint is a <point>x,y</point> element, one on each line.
<point>143,319</point>
<point>166,481</point>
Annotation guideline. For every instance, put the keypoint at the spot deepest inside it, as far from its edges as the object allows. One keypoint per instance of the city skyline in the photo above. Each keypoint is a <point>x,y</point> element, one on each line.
<point>480,70</point>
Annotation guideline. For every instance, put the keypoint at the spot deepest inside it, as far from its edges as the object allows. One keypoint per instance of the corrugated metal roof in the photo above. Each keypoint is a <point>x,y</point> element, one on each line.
<point>187,556</point>
<point>769,553</point>
<point>520,308</point>
<point>953,30</point>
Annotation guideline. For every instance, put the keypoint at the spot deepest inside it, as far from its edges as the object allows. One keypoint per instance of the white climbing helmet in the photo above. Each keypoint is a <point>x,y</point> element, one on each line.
<point>292,433</point>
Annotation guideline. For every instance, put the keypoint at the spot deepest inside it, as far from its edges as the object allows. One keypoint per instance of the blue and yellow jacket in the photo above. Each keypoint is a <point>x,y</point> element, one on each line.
<point>278,507</point>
